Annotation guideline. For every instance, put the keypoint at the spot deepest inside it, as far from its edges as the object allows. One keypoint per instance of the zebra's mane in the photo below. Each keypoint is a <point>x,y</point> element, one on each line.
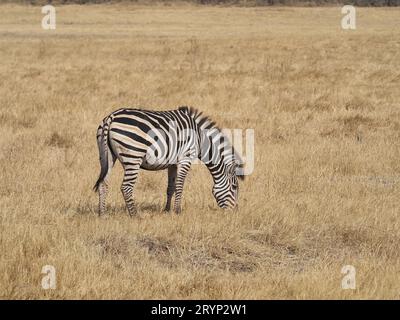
<point>207,123</point>
<point>201,119</point>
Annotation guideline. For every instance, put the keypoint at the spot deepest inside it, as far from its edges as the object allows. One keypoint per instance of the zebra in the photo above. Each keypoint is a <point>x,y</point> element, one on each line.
<point>172,140</point>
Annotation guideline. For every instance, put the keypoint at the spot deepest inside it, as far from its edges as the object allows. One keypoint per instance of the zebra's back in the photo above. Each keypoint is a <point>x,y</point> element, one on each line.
<point>159,138</point>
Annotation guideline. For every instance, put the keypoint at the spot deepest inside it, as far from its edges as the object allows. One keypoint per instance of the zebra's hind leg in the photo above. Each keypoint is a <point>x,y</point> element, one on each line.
<point>131,171</point>
<point>103,186</point>
<point>103,191</point>
<point>172,170</point>
<point>182,170</point>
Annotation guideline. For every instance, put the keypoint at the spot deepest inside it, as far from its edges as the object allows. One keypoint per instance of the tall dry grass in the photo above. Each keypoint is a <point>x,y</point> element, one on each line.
<point>324,104</point>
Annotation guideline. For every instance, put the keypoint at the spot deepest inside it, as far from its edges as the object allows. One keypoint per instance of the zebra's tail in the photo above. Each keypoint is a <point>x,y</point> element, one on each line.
<point>102,143</point>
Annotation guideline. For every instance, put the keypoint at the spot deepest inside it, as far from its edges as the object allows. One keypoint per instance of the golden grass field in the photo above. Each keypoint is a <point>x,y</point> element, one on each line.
<point>325,192</point>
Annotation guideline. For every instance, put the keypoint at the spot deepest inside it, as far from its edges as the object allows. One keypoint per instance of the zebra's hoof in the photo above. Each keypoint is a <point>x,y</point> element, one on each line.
<point>133,214</point>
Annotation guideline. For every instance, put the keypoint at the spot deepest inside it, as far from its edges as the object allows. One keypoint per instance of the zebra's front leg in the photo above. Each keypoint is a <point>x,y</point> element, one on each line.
<point>182,170</point>
<point>172,170</point>
<point>131,171</point>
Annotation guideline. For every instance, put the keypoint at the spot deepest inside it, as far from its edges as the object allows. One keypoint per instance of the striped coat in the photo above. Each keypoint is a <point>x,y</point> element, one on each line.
<point>172,140</point>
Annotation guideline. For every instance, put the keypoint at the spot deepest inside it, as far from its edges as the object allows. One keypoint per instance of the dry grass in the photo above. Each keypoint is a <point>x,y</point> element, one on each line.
<point>325,192</point>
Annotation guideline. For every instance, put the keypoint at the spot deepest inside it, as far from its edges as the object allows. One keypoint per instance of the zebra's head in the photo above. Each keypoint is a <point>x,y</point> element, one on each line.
<point>226,189</point>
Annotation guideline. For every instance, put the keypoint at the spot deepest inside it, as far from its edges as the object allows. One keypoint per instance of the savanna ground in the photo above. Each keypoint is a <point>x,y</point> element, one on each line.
<point>325,191</point>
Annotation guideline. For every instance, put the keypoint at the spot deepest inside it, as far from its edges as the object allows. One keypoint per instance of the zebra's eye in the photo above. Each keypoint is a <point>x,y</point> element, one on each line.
<point>234,186</point>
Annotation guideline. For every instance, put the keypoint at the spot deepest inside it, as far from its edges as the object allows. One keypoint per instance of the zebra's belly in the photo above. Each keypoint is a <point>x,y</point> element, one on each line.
<point>154,164</point>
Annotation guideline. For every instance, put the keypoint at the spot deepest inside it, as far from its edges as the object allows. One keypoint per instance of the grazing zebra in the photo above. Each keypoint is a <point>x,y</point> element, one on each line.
<point>156,140</point>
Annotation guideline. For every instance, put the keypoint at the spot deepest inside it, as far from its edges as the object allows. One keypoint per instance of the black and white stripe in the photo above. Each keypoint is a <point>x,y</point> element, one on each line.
<point>157,140</point>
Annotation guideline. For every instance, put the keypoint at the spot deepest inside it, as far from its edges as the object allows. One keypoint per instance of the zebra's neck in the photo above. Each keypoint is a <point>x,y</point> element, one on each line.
<point>215,150</point>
